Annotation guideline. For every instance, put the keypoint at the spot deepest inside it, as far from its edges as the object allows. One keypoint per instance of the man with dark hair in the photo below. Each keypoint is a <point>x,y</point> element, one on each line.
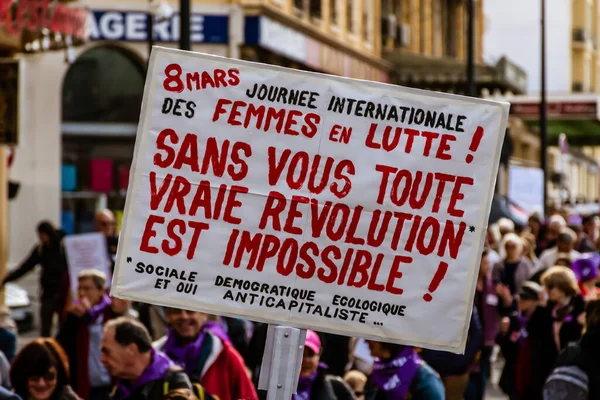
<point>207,358</point>
<point>140,372</point>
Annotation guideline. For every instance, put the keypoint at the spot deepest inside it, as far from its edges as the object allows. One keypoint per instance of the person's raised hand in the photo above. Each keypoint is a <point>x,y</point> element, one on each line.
<point>78,309</point>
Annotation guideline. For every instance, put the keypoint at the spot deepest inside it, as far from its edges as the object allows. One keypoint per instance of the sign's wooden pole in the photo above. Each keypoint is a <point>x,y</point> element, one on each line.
<point>281,362</point>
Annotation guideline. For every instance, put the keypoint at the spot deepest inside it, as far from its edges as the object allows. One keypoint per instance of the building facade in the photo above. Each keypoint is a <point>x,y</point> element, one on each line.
<point>425,40</point>
<point>80,108</point>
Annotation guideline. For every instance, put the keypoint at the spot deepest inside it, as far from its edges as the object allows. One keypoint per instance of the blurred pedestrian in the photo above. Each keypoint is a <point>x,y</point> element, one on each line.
<point>577,372</point>
<point>54,281</point>
<point>564,245</point>
<point>509,274</point>
<point>486,303</point>
<point>399,373</point>
<point>106,223</point>
<point>8,334</point>
<point>81,335</point>
<point>139,371</point>
<point>314,382</point>
<point>590,226</point>
<point>529,246</point>
<point>583,243</point>
<point>122,308</point>
<point>586,271</point>
<point>515,348</point>
<point>357,382</point>
<point>553,326</point>
<point>40,371</point>
<point>534,223</point>
<point>549,234</point>
<point>505,226</point>
<point>207,355</point>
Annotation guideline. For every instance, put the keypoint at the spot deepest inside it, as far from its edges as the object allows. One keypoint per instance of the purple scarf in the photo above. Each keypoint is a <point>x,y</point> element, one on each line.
<point>395,376</point>
<point>523,319</point>
<point>95,311</point>
<point>305,384</point>
<point>159,364</point>
<point>187,356</point>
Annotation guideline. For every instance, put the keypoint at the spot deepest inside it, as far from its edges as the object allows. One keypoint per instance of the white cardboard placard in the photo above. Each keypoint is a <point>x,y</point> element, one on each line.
<point>337,205</point>
<point>86,251</point>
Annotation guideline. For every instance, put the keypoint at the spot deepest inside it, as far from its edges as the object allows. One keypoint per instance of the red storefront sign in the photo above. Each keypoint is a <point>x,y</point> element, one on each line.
<point>36,15</point>
<point>586,109</point>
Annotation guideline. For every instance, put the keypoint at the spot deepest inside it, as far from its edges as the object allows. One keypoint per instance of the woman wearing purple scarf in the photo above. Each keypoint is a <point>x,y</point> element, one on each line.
<point>314,383</point>
<point>399,373</point>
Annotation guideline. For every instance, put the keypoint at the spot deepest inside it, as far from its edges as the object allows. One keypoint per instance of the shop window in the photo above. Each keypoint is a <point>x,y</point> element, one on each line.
<point>315,9</point>
<point>105,84</point>
<point>350,16</point>
<point>334,12</point>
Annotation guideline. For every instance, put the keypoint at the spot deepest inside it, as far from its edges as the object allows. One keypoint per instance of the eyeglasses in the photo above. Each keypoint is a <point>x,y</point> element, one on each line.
<point>49,376</point>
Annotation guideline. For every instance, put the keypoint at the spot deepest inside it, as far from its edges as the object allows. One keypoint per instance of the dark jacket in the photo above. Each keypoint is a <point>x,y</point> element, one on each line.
<point>54,269</point>
<point>450,364</point>
<point>67,393</point>
<point>586,245</point>
<point>426,385</point>
<point>544,351</point>
<point>516,351</point>
<point>174,378</point>
<point>329,387</point>
<point>74,337</point>
<point>586,356</point>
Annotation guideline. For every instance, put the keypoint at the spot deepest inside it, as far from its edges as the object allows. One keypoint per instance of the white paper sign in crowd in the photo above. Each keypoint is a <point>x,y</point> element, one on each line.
<point>309,200</point>
<point>86,251</point>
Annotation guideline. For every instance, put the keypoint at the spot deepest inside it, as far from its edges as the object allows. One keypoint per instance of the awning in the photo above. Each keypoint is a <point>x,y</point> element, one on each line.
<point>580,132</point>
<point>504,208</point>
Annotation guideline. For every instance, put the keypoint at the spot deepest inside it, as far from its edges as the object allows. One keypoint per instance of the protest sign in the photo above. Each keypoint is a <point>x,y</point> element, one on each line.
<point>526,188</point>
<point>308,200</point>
<point>86,251</point>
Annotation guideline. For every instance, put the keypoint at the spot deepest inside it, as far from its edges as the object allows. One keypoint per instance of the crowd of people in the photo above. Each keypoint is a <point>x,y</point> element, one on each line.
<point>536,300</point>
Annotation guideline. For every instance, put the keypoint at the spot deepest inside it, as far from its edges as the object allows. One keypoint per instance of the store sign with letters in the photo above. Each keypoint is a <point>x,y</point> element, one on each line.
<point>132,26</point>
<point>308,200</point>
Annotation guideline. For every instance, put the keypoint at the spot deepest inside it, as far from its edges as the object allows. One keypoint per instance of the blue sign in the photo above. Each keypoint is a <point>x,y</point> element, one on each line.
<point>132,26</point>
